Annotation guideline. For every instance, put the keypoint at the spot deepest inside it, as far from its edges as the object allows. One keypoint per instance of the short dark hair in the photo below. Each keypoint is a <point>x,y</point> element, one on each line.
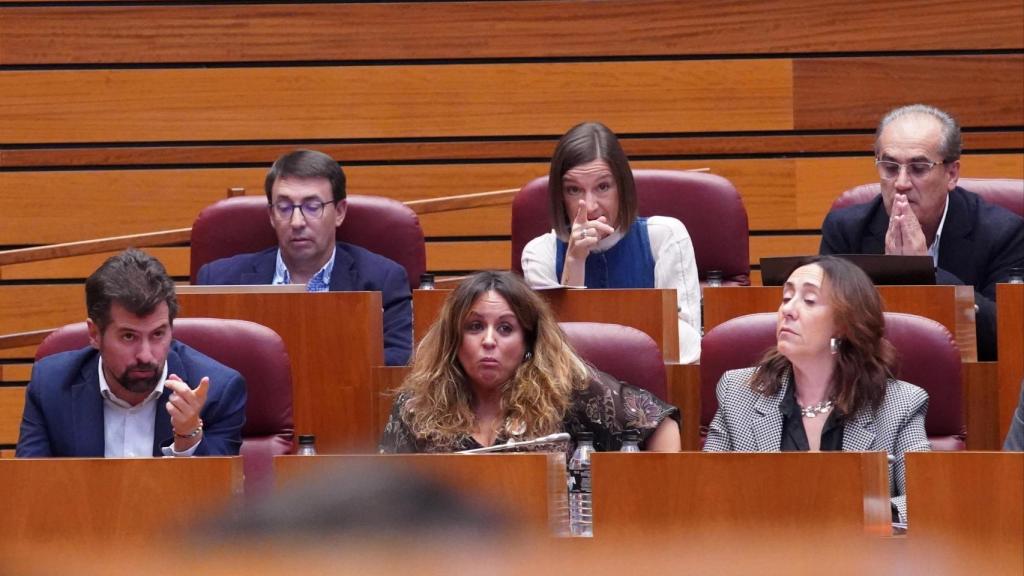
<point>307,164</point>
<point>585,143</point>
<point>133,279</point>
<point>950,146</point>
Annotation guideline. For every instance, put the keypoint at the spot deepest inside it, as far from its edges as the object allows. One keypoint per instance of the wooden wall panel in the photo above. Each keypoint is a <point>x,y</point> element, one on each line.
<point>819,181</point>
<point>832,94</point>
<point>391,101</point>
<point>174,259</point>
<point>12,403</point>
<point>521,149</point>
<point>435,30</point>
<point>37,307</point>
<point>779,193</point>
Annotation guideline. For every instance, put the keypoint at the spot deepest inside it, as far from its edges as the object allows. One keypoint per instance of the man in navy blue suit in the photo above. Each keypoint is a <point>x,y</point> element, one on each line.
<point>135,391</point>
<point>306,193</point>
<point>922,211</point>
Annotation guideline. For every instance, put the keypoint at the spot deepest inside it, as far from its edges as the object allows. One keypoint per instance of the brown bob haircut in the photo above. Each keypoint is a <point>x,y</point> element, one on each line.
<point>865,359</point>
<point>585,143</point>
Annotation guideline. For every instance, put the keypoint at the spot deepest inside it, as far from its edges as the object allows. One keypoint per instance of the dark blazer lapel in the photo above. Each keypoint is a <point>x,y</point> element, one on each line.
<point>163,435</point>
<point>957,243</point>
<point>878,225</point>
<point>859,431</point>
<point>344,276</point>
<point>87,411</point>
<point>766,426</point>
<point>262,271</point>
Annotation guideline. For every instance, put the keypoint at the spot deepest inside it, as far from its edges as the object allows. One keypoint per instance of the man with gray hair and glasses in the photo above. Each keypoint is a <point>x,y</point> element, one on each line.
<point>922,211</point>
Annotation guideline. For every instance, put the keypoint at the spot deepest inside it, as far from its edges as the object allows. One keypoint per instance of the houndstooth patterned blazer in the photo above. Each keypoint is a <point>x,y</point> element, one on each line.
<point>747,421</point>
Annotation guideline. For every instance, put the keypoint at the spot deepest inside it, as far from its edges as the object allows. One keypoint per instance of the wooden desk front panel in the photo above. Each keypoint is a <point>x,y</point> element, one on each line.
<point>652,311</point>
<point>334,339</point>
<point>967,511</point>
<point>654,496</point>
<point>528,488</point>
<point>100,502</point>
<point>1010,329</point>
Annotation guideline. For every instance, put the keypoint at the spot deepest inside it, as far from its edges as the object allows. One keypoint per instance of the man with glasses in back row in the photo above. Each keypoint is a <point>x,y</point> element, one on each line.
<point>306,195</point>
<point>922,211</point>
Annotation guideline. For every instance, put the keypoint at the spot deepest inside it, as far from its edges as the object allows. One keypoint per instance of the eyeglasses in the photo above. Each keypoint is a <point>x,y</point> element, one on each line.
<point>889,170</point>
<point>310,208</point>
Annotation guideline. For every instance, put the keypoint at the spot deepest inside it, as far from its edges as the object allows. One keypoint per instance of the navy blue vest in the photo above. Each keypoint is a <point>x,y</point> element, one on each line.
<point>628,264</point>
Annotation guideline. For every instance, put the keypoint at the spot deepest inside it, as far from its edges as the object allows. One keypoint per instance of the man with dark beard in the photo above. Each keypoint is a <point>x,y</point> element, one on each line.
<point>134,392</point>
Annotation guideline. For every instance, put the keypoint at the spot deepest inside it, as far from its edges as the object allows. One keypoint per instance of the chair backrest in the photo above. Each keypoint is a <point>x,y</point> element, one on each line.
<point>708,205</point>
<point>241,225</point>
<point>928,358</point>
<point>255,351</point>
<point>1005,192</point>
<point>622,351</point>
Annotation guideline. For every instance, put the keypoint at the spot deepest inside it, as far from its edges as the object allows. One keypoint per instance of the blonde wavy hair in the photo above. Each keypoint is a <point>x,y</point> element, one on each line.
<point>535,400</point>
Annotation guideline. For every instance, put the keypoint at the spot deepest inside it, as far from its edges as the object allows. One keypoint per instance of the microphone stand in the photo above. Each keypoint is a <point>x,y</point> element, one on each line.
<point>510,445</point>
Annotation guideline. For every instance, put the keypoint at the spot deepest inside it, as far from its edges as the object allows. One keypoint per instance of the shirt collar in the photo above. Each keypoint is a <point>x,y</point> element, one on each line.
<point>320,282</point>
<point>933,250</point>
<point>109,395</point>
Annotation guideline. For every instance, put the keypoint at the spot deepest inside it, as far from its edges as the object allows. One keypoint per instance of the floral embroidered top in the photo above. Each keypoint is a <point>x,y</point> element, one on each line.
<point>606,408</point>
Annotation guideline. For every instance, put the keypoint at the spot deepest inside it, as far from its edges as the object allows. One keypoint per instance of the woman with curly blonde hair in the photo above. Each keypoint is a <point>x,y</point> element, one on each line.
<point>496,367</point>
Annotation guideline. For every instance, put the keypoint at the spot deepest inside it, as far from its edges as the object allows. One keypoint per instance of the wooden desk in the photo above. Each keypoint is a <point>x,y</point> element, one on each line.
<point>654,497</point>
<point>966,511</point>
<point>951,306</point>
<point>109,502</point>
<point>528,488</point>
<point>334,340</point>
<point>1010,330</point>
<point>652,311</point>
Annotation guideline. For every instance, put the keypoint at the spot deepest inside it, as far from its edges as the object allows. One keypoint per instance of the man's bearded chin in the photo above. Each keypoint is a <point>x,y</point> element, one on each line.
<point>140,384</point>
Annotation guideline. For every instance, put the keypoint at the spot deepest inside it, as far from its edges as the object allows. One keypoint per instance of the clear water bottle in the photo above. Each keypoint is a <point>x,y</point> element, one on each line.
<point>714,279</point>
<point>1016,276</point>
<point>581,520</point>
<point>630,441</point>
<point>307,445</point>
<point>426,281</point>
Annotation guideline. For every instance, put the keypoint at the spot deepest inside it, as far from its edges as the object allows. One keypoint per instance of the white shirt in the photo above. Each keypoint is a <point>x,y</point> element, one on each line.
<point>675,267</point>
<point>128,430</point>
<point>933,250</point>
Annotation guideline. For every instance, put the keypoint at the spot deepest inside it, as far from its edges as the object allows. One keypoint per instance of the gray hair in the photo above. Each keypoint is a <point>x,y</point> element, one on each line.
<point>950,146</point>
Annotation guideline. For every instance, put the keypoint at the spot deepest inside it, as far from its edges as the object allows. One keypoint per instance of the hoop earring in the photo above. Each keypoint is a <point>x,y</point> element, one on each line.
<point>833,345</point>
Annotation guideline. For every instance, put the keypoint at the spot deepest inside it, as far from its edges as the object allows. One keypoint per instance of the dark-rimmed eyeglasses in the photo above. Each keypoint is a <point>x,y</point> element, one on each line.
<point>889,170</point>
<point>284,210</point>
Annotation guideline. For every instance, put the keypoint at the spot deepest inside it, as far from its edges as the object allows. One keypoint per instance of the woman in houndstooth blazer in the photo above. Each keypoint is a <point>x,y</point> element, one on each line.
<point>827,384</point>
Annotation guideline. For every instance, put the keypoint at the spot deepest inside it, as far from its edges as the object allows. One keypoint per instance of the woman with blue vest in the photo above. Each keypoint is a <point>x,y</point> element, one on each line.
<point>599,242</point>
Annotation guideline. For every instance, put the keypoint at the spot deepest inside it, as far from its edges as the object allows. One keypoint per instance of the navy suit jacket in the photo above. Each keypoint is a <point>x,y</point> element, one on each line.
<point>63,413</point>
<point>355,269</point>
<point>980,243</point>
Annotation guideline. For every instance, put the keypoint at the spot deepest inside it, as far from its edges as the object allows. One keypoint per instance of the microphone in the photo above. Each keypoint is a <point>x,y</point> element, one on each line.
<point>512,445</point>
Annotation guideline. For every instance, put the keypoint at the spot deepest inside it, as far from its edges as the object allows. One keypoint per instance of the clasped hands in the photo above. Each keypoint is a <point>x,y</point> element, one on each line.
<point>184,406</point>
<point>905,235</point>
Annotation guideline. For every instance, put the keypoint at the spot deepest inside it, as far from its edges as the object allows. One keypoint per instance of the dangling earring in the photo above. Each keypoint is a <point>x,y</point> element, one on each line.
<point>833,345</point>
<point>527,356</point>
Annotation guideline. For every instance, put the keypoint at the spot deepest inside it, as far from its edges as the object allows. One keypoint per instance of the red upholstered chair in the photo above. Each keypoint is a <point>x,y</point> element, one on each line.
<point>708,205</point>
<point>928,357</point>
<point>258,353</point>
<point>622,351</point>
<point>1005,192</point>
<point>242,224</point>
